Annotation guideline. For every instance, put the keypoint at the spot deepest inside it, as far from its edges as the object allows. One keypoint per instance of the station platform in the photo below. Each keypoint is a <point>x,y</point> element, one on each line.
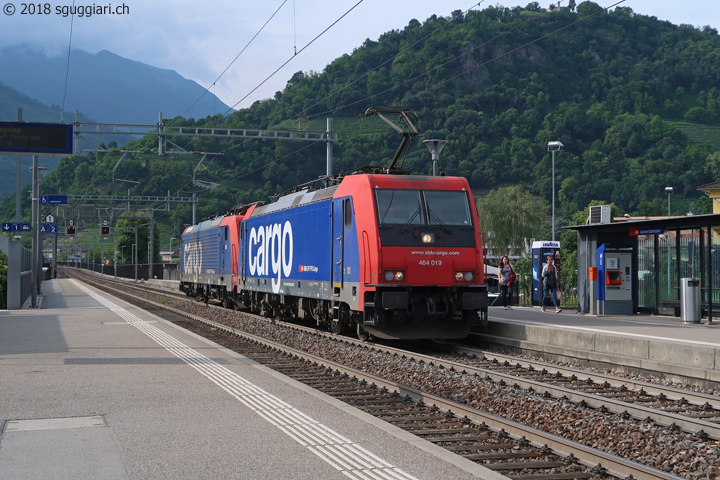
<point>94,388</point>
<point>677,351</point>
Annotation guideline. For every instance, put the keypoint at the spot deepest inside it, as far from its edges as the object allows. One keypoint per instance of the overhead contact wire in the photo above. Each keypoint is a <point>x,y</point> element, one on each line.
<point>294,56</point>
<point>236,57</point>
<point>353,82</point>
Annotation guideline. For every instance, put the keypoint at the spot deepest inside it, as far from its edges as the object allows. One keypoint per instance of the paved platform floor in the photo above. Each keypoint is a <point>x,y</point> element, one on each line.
<point>94,388</point>
<point>658,342</point>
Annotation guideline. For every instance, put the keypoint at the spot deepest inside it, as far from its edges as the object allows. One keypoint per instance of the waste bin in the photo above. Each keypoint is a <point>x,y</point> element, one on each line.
<point>690,300</point>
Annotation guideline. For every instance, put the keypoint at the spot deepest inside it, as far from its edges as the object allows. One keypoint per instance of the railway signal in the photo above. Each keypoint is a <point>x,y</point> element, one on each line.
<point>105,230</point>
<point>71,230</point>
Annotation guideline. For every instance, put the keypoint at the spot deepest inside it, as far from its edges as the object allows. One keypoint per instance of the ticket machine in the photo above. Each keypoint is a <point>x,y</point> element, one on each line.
<point>540,251</point>
<point>614,279</point>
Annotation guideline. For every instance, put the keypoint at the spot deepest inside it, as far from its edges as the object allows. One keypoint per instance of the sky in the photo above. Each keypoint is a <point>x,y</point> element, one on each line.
<point>200,40</point>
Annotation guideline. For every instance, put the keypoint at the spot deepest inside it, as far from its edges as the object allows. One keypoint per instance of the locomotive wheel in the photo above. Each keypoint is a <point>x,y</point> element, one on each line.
<point>363,334</point>
<point>338,325</point>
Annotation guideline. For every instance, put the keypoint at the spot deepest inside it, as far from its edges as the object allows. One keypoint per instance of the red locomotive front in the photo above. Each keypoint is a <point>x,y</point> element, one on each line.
<point>421,256</point>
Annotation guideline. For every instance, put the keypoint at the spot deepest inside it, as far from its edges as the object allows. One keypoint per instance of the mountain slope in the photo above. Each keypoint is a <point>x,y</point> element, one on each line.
<point>498,84</point>
<point>105,86</point>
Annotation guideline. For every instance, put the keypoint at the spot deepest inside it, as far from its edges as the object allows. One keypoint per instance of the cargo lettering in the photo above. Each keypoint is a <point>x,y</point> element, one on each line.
<point>271,247</point>
<point>193,257</point>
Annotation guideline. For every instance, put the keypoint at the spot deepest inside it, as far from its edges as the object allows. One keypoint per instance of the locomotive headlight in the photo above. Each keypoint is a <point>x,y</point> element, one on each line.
<point>466,276</point>
<point>397,276</point>
<point>428,238</point>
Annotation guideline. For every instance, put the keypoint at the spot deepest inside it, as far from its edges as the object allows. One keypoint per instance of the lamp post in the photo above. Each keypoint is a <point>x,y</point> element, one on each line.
<point>669,191</point>
<point>552,148</point>
<point>435,147</point>
<point>134,258</point>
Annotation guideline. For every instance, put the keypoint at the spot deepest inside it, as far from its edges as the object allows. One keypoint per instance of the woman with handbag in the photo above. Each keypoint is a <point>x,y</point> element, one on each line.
<point>507,279</point>
<point>551,281</point>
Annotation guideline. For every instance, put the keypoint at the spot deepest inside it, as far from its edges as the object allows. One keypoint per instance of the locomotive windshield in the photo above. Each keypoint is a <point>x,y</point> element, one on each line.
<point>423,207</point>
<point>399,207</point>
<point>447,207</point>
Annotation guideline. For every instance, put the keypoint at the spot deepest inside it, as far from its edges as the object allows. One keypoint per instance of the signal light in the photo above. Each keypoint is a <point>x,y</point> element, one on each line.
<point>71,230</point>
<point>105,230</point>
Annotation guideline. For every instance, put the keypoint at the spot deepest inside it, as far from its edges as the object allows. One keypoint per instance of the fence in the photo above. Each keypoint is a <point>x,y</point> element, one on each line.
<point>162,271</point>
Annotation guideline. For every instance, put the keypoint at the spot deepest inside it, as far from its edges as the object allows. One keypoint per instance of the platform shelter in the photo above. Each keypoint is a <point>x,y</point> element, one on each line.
<point>664,251</point>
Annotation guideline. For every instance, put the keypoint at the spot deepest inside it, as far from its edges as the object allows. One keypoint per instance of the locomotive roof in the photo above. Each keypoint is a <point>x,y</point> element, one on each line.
<point>294,199</point>
<point>308,194</point>
<point>206,225</point>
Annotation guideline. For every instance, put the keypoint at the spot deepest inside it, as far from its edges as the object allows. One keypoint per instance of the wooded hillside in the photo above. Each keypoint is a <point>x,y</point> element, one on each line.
<point>633,99</point>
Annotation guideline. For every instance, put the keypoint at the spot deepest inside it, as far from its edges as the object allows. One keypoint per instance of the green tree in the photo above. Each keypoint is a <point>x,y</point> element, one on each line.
<point>510,217</point>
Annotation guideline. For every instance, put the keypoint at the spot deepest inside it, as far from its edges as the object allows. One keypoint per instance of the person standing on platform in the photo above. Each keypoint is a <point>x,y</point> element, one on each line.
<point>551,281</point>
<point>507,279</point>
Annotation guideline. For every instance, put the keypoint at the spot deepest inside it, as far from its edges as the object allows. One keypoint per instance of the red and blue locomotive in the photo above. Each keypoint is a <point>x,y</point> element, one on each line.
<point>393,256</point>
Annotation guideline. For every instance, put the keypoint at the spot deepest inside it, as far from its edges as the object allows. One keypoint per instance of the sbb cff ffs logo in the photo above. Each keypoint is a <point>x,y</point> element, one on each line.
<point>71,230</point>
<point>105,231</point>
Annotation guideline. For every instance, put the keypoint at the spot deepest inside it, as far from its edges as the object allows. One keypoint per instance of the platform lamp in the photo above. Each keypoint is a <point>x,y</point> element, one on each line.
<point>435,146</point>
<point>553,147</point>
<point>669,191</point>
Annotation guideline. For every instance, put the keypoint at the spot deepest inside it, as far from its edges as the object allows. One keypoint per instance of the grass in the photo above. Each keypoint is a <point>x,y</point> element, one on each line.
<point>707,135</point>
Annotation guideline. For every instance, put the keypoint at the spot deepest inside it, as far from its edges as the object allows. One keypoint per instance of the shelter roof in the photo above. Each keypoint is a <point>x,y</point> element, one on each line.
<point>667,223</point>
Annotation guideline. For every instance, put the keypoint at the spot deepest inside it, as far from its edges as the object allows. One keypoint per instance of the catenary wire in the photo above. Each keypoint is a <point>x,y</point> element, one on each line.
<point>294,56</point>
<point>236,57</point>
<point>353,82</point>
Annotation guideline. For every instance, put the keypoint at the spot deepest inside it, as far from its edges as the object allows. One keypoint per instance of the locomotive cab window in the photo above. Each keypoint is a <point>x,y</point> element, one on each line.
<point>447,207</point>
<point>399,207</point>
<point>423,207</point>
<point>348,213</point>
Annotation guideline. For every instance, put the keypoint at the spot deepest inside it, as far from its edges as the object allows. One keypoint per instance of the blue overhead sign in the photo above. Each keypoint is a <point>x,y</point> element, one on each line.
<point>53,199</point>
<point>36,138</point>
<point>15,227</point>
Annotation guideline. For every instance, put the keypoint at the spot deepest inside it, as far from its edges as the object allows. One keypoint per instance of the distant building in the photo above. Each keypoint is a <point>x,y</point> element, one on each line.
<point>713,191</point>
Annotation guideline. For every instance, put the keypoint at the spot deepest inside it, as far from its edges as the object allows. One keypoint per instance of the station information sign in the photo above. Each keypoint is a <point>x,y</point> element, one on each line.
<point>53,200</point>
<point>36,138</point>
<point>647,230</point>
<point>8,227</point>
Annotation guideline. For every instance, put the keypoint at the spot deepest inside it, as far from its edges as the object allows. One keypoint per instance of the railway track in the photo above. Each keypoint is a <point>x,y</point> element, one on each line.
<point>479,436</point>
<point>692,412</point>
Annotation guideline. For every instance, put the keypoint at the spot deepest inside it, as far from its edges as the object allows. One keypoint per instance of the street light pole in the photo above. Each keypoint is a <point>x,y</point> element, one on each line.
<point>669,191</point>
<point>435,147</point>
<point>552,148</point>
